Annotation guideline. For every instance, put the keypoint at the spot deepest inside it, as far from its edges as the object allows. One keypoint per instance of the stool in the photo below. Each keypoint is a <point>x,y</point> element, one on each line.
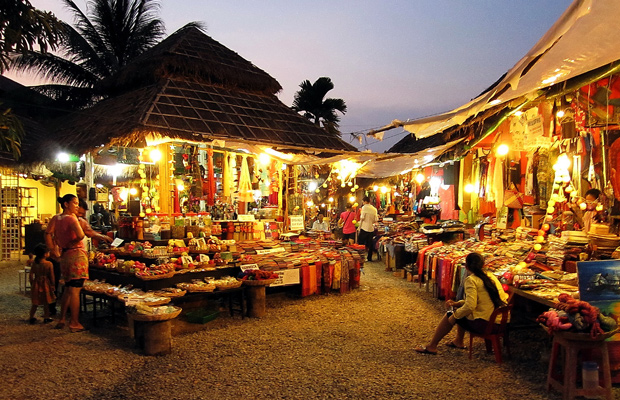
<point>24,276</point>
<point>568,383</point>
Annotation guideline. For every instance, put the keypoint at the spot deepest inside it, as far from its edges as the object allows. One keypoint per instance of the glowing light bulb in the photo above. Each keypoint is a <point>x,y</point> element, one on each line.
<point>133,191</point>
<point>352,199</point>
<point>469,188</point>
<point>502,150</point>
<point>375,188</point>
<point>155,155</point>
<point>583,206</point>
<point>331,200</point>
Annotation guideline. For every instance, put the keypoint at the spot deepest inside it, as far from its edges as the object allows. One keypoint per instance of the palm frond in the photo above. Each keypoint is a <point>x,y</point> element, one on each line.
<point>52,67</point>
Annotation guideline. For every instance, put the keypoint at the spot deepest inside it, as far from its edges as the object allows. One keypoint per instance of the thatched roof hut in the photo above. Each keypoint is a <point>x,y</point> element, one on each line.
<point>190,87</point>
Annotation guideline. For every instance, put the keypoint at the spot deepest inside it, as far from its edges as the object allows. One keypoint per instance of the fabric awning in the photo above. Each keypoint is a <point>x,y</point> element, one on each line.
<point>584,38</point>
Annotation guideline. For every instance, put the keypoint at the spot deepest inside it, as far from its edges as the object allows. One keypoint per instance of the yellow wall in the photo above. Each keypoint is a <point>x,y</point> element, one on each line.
<point>46,202</point>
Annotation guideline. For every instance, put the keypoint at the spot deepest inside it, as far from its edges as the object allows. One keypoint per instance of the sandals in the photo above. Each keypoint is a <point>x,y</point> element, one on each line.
<point>424,350</point>
<point>452,345</point>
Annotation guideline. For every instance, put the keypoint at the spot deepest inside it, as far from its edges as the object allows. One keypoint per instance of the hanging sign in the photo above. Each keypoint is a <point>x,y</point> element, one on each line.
<point>296,222</point>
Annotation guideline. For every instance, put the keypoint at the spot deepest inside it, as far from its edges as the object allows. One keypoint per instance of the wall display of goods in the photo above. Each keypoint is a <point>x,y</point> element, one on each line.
<point>578,317</point>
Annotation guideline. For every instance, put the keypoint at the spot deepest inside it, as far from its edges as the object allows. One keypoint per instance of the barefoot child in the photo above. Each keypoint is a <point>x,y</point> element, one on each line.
<point>41,283</point>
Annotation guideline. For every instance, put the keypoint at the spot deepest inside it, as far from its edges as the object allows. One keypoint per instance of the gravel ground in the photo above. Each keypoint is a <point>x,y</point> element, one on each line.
<point>351,346</point>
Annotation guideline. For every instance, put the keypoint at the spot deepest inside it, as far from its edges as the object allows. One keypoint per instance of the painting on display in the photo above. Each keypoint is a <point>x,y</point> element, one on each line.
<point>599,285</point>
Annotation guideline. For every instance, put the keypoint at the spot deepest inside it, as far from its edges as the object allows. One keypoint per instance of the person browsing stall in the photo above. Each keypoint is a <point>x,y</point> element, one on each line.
<point>88,230</point>
<point>367,226</point>
<point>347,222</point>
<point>483,294</point>
<point>69,236</point>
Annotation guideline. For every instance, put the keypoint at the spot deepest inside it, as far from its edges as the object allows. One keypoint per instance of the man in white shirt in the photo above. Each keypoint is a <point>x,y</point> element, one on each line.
<point>367,226</point>
<point>319,224</point>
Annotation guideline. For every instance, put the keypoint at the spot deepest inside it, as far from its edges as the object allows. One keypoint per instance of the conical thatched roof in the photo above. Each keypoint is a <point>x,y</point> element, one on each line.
<point>190,87</point>
<point>191,54</point>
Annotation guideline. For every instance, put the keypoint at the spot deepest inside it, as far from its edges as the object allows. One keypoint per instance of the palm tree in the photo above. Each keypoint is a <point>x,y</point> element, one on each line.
<point>310,100</point>
<point>22,28</point>
<point>97,46</point>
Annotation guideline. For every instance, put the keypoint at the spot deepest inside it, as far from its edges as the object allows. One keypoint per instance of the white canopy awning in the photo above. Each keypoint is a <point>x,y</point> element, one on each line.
<point>584,38</point>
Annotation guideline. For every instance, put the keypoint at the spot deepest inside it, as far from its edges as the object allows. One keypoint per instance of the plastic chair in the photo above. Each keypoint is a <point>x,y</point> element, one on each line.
<point>494,332</point>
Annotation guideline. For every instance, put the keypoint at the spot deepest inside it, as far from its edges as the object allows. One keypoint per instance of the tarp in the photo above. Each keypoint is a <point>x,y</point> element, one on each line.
<point>584,38</point>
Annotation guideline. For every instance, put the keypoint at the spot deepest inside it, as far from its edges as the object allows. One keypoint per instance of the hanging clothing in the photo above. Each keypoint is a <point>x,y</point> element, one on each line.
<point>245,182</point>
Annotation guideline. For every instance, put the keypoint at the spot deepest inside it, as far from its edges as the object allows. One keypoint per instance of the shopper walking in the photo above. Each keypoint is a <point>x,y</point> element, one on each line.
<point>367,226</point>
<point>41,283</point>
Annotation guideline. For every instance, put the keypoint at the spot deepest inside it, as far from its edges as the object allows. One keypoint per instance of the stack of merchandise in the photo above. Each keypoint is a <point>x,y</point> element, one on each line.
<point>605,243</point>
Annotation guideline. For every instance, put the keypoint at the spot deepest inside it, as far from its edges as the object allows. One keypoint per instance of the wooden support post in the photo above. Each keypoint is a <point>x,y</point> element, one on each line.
<point>257,299</point>
<point>155,337</point>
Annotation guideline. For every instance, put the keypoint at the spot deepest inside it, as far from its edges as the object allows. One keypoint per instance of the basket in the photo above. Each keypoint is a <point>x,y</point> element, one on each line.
<point>581,336</point>
<point>156,277</point>
<point>231,285</point>
<point>156,317</point>
<point>178,232</point>
<point>259,282</point>
<point>155,303</point>
<point>172,295</point>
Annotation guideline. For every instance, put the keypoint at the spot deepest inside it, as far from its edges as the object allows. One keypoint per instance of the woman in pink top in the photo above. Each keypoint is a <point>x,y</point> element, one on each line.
<point>68,234</point>
<point>348,226</point>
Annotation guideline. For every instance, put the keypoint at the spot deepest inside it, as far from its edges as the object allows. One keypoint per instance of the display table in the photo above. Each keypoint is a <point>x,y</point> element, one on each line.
<point>115,278</point>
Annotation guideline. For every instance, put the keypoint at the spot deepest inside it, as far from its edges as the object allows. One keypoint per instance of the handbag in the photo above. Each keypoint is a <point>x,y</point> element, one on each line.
<point>513,198</point>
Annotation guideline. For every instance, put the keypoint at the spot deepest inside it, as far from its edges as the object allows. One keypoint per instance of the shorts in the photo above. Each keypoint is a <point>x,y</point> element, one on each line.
<point>477,325</point>
<point>346,236</point>
<point>75,283</point>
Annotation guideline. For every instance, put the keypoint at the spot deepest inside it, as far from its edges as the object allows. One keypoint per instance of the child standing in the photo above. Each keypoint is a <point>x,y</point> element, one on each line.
<point>41,283</point>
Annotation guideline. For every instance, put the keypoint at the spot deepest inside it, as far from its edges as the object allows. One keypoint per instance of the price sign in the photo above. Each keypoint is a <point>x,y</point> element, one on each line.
<point>296,222</point>
<point>246,267</point>
<point>117,242</point>
<point>270,251</point>
<point>245,217</point>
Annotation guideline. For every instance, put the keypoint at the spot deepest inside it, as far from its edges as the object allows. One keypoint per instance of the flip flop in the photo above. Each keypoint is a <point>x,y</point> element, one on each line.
<point>424,350</point>
<point>452,345</point>
<point>77,330</point>
<point>60,325</point>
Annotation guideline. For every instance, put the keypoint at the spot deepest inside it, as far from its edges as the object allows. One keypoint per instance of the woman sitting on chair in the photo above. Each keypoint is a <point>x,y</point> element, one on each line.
<point>483,294</point>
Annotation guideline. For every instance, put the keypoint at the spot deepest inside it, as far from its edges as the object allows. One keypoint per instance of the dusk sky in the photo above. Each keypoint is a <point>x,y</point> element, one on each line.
<point>388,59</point>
